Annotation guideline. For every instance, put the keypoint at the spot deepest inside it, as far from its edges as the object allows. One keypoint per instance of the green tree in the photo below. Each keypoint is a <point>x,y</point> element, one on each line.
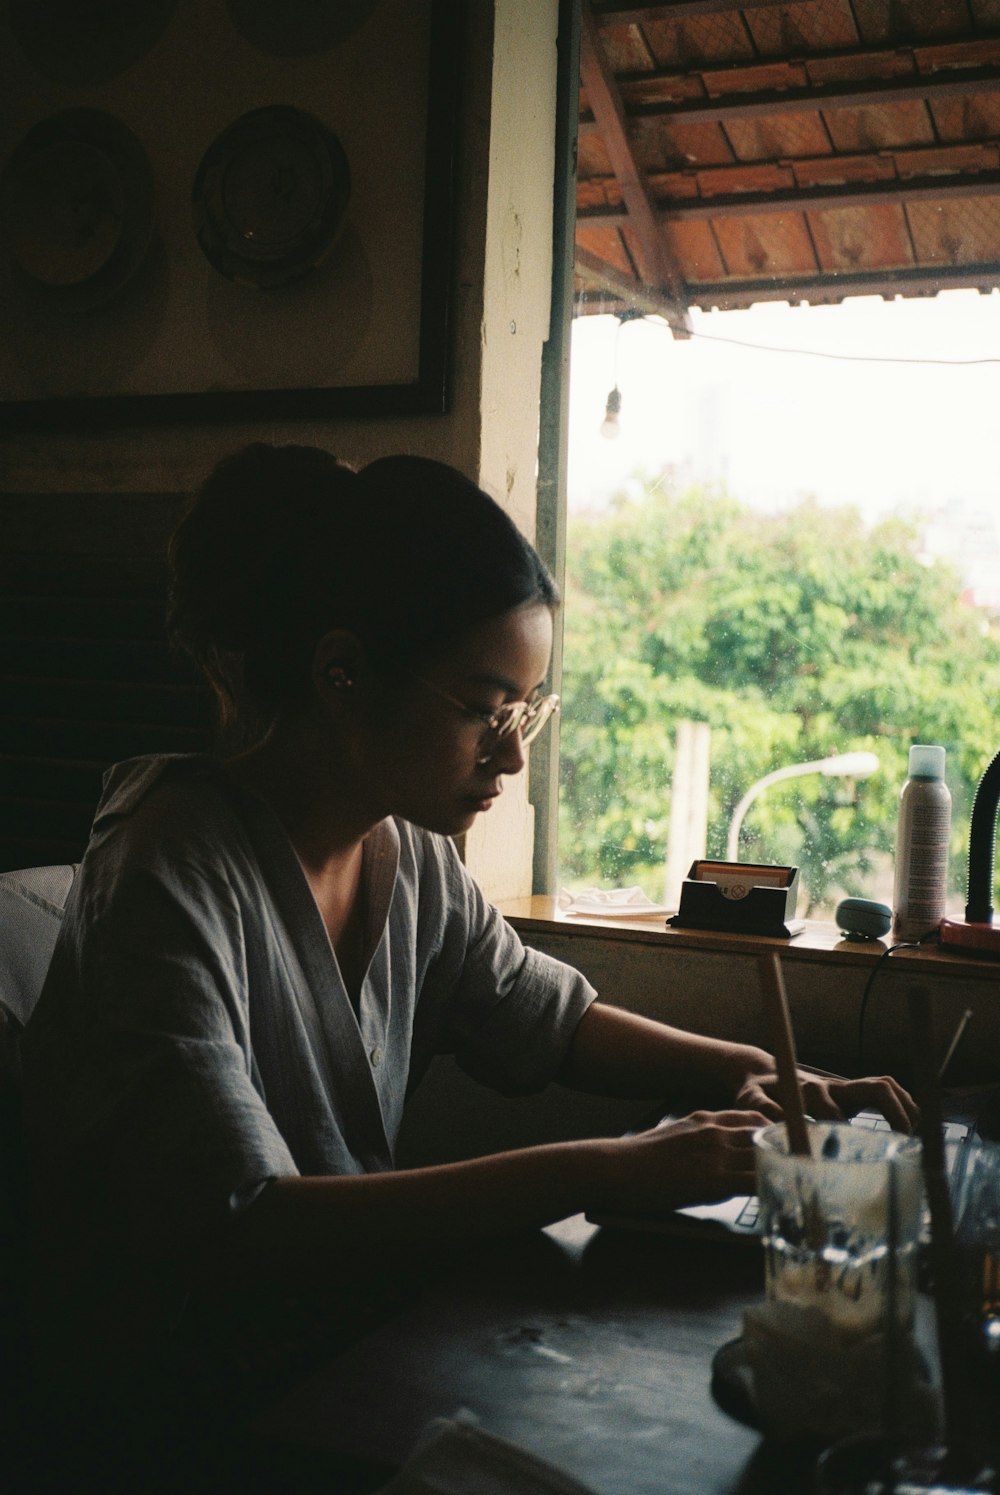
<point>795,636</point>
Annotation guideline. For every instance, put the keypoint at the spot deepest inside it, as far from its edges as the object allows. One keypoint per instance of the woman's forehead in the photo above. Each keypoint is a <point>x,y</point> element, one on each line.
<point>509,652</point>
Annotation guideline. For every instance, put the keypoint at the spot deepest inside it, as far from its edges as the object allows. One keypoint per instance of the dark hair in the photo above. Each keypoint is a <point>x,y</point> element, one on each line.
<point>283,543</point>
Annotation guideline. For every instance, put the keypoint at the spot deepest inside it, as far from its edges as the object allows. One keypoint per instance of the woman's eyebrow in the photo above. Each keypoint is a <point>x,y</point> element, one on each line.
<point>500,682</point>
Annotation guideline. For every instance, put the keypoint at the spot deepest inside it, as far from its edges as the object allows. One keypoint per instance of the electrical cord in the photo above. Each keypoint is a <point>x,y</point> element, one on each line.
<point>955,363</point>
<point>831,356</point>
<point>927,939</point>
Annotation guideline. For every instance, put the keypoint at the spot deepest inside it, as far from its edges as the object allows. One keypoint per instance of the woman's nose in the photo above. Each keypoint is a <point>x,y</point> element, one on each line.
<point>509,756</point>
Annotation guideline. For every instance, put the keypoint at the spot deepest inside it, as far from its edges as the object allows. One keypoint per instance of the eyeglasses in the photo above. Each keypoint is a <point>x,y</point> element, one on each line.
<point>526,717</point>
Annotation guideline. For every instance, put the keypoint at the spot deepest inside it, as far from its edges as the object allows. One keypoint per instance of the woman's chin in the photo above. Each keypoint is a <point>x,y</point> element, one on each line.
<point>464,822</point>
<point>451,823</point>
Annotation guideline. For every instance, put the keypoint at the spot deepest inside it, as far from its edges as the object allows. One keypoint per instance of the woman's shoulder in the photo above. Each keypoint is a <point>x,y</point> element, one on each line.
<point>128,784</point>
<point>164,808</point>
<point>163,843</point>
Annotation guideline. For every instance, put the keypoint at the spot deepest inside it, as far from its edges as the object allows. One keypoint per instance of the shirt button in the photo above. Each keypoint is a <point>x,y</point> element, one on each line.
<point>376,1057</point>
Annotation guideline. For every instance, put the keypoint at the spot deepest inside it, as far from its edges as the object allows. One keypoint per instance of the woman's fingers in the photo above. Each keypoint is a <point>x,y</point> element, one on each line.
<point>736,1117</point>
<point>756,1098</point>
<point>829,1099</point>
<point>707,1156</point>
<point>876,1093</point>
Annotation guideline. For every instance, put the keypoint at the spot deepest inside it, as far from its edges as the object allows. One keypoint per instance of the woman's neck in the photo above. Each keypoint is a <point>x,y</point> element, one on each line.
<point>312,792</point>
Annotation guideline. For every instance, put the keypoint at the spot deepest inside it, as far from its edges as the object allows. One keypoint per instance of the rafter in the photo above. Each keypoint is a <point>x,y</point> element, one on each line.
<point>736,105</point>
<point>635,294</point>
<point>807,199</point>
<point>880,63</point>
<point>945,166</point>
<point>617,13</point>
<point>659,268</point>
<point>918,280</point>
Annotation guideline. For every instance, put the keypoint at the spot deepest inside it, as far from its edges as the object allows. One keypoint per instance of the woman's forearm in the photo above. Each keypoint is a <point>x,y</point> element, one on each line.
<point>615,1052</point>
<point>619,1053</point>
<point>298,1228</point>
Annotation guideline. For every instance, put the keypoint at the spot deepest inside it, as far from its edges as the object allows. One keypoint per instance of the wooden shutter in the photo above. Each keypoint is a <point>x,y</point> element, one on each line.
<point>87,676</point>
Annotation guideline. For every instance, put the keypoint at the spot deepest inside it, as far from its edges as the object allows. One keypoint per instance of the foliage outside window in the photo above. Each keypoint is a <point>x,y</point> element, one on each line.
<point>794,636</point>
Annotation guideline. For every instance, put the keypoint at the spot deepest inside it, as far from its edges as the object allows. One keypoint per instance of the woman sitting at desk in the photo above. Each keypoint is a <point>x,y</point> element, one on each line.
<point>263,951</point>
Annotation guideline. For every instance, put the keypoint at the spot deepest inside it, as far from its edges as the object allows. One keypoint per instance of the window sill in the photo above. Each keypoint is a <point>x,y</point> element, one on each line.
<point>820,942</point>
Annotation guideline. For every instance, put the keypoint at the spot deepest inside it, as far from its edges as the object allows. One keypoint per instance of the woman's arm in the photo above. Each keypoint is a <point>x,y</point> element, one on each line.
<point>302,1228</point>
<point>615,1052</point>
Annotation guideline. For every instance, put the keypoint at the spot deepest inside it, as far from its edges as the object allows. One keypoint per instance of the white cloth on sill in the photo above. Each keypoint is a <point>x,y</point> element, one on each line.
<point>612,903</point>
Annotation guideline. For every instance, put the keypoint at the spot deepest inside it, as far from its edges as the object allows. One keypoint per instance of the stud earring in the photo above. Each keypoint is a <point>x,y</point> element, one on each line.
<point>339,678</point>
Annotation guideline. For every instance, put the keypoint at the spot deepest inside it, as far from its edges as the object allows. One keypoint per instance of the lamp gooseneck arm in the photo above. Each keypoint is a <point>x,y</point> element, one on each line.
<point>982,838</point>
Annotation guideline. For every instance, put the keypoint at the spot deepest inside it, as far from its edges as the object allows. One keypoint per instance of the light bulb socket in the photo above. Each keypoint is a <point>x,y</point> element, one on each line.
<point>609,425</point>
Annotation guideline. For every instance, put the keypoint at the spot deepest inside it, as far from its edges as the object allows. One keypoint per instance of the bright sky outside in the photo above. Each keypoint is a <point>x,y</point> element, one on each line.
<point>773,427</point>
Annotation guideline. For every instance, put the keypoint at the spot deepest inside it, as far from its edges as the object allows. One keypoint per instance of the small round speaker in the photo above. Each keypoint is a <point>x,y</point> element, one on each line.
<point>863,918</point>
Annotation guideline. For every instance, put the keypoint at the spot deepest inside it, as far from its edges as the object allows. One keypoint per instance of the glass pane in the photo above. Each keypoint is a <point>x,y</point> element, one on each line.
<point>792,543</point>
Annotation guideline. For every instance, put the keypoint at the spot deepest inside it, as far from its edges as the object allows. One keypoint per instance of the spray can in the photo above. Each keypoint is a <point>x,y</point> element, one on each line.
<point>924,826</point>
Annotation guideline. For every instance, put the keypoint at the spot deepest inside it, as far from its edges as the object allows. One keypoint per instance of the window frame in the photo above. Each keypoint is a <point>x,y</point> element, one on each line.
<point>553,439</point>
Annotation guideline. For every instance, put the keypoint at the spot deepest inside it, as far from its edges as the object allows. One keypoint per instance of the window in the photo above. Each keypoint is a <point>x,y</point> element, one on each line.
<point>784,557</point>
<point>765,583</point>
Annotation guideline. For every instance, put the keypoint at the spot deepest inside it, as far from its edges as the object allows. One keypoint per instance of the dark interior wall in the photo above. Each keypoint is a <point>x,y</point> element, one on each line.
<point>88,677</point>
<point>87,502</point>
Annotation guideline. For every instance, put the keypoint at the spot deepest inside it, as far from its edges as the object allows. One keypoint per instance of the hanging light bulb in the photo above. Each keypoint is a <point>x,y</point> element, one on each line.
<point>610,429</point>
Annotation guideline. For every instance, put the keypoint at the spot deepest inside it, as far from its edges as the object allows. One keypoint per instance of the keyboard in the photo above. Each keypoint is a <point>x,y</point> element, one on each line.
<point>955,1133</point>
<point>738,1219</point>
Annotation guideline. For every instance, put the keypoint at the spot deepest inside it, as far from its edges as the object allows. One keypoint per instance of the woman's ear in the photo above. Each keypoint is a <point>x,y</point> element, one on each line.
<point>340,667</point>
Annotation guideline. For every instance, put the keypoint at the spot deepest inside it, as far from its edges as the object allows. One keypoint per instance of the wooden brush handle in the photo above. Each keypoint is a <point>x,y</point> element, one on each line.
<point>783,1045</point>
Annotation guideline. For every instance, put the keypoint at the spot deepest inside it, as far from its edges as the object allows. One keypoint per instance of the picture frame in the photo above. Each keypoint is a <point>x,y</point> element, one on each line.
<point>418,381</point>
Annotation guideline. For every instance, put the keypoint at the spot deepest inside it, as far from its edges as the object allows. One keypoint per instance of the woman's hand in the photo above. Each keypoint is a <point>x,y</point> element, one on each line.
<point>829,1099</point>
<point>697,1159</point>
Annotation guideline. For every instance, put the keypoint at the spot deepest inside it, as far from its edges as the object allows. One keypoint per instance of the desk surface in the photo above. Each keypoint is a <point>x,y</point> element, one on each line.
<point>590,1348</point>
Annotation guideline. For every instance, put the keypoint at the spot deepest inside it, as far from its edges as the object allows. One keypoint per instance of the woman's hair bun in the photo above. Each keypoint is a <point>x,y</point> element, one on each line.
<point>284,543</point>
<point>242,530</point>
<point>234,559</point>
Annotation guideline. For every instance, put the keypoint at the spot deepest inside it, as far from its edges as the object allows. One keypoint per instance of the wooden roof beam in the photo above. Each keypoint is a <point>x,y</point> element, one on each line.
<point>935,56</point>
<point>737,105</point>
<point>977,152</point>
<point>637,296</point>
<point>659,268</point>
<point>620,13</point>
<point>914,280</point>
<point>808,199</point>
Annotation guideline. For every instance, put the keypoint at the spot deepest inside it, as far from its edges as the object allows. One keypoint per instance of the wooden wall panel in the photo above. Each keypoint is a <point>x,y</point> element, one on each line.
<point>86,675</point>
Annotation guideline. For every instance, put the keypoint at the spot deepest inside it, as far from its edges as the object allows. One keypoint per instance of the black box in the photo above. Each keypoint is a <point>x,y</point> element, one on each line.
<point>744,898</point>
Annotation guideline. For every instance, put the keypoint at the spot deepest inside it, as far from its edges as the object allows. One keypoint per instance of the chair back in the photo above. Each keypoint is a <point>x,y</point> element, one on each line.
<point>31,910</point>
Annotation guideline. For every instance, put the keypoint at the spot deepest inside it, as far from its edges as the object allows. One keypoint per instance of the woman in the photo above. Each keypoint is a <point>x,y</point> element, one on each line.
<point>262,951</point>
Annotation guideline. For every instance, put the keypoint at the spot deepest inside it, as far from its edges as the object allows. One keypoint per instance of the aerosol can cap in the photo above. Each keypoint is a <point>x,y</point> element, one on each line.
<point>926,762</point>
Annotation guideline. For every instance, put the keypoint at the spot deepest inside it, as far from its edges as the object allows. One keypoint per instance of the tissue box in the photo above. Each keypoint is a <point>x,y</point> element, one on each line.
<point>742,897</point>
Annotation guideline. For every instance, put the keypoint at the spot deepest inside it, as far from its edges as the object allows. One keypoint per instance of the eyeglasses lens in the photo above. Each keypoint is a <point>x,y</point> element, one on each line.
<point>529,719</point>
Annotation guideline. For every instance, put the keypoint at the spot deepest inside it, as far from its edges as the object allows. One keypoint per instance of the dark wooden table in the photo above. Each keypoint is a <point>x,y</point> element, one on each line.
<point>591,1348</point>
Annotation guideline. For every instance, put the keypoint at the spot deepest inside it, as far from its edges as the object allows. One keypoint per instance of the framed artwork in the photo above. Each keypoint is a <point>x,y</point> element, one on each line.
<point>227,211</point>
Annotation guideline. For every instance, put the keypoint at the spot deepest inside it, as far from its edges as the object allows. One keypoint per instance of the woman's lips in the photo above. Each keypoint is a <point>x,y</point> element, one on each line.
<point>484,801</point>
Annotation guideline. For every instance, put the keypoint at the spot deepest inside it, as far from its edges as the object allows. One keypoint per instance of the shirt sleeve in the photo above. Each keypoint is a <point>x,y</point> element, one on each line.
<point>146,1115</point>
<point>508,1013</point>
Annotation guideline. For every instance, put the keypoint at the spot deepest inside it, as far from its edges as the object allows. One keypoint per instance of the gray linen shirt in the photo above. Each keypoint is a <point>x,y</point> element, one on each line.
<point>194,1038</point>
